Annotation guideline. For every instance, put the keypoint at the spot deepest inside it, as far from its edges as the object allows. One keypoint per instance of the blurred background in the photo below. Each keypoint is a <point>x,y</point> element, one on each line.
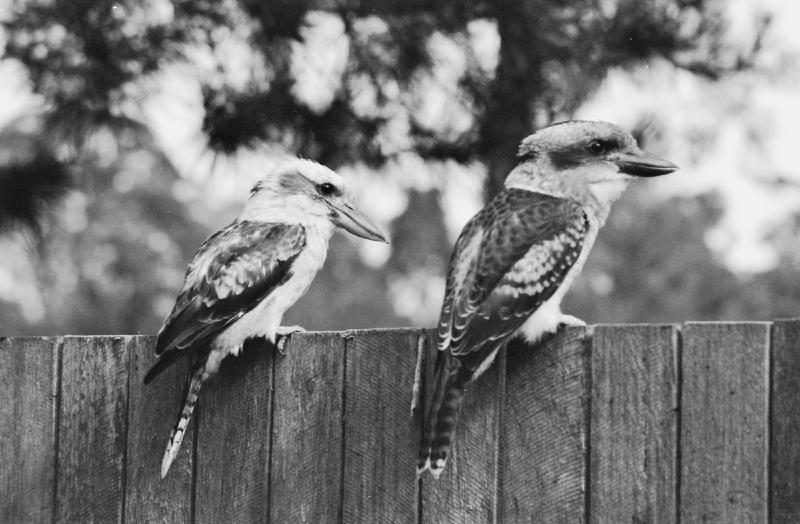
<point>130,130</point>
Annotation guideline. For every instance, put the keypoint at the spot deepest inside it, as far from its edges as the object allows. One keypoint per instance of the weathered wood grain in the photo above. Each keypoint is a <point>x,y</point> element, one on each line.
<point>92,430</point>
<point>306,473</point>
<point>723,441</point>
<point>152,411</point>
<point>784,447</point>
<point>544,430</point>
<point>379,483</point>
<point>467,489</point>
<point>633,424</point>
<point>28,389</point>
<point>233,439</point>
<point>81,439</point>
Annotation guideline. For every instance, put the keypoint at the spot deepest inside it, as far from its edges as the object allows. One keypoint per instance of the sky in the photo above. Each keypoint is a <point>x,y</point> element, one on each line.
<point>727,136</point>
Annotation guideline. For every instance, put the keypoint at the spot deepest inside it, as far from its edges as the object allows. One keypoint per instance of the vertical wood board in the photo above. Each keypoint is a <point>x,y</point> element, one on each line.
<point>306,473</point>
<point>233,438</point>
<point>28,389</point>
<point>380,436</point>
<point>723,441</point>
<point>633,474</point>
<point>466,491</point>
<point>784,459</point>
<point>152,411</point>
<point>545,430</point>
<point>92,429</point>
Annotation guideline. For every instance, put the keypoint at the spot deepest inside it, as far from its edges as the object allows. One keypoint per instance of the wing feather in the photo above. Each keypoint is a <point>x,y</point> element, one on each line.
<point>230,274</point>
<point>510,258</point>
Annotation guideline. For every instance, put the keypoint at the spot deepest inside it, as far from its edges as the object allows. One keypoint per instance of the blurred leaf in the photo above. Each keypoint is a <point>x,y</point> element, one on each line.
<point>29,190</point>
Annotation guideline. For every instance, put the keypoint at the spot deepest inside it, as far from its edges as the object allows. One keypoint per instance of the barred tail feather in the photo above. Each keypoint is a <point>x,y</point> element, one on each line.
<point>175,439</point>
<point>439,429</point>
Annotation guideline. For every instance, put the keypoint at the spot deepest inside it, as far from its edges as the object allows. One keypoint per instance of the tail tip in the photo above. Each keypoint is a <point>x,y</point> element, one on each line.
<point>436,468</point>
<point>422,466</point>
<point>165,464</point>
<point>169,456</point>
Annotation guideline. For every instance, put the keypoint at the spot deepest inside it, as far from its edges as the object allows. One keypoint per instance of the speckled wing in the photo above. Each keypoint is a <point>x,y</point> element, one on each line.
<point>229,275</point>
<point>510,258</point>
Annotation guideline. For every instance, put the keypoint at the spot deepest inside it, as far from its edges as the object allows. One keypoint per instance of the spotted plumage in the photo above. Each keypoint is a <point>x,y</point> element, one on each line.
<point>516,258</point>
<point>524,242</point>
<point>243,278</point>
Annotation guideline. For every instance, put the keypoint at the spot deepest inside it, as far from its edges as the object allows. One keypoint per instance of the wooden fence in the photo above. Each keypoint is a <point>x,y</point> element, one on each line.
<point>633,423</point>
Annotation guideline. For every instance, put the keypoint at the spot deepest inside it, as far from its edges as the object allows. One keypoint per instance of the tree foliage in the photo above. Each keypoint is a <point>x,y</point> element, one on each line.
<point>90,60</point>
<point>94,61</point>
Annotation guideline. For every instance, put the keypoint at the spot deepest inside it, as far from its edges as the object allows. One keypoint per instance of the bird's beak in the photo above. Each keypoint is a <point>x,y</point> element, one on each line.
<point>348,217</point>
<point>643,164</point>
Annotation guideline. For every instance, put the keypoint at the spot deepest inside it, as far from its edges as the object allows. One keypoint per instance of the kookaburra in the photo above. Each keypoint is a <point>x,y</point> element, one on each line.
<point>243,278</point>
<point>517,257</point>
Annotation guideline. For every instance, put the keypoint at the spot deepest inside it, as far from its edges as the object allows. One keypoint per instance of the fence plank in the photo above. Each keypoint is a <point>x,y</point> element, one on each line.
<point>723,422</point>
<point>544,431</point>
<point>633,424</point>
<point>233,439</point>
<point>784,459</point>
<point>151,413</point>
<point>306,473</point>
<point>28,389</point>
<point>467,489</point>
<point>81,438</point>
<point>380,436</point>
<point>92,429</point>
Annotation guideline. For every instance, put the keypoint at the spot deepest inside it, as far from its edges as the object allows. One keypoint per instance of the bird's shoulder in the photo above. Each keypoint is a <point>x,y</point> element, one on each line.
<point>239,254</point>
<point>511,224</point>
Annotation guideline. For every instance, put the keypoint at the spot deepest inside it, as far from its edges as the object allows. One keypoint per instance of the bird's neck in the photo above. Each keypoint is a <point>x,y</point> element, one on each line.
<point>595,191</point>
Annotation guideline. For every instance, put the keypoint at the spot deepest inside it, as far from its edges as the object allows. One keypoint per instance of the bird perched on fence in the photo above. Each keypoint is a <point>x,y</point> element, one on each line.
<point>243,278</point>
<point>516,258</point>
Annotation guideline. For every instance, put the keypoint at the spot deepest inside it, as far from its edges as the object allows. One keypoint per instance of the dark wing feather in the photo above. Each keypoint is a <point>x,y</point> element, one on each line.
<point>510,258</point>
<point>230,274</point>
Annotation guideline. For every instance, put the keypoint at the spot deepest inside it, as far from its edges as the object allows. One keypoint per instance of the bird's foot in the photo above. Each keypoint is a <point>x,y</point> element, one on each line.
<point>569,320</point>
<point>283,333</point>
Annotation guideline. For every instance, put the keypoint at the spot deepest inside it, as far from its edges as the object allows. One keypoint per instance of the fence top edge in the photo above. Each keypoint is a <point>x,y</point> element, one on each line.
<point>341,333</point>
<point>787,320</point>
<point>727,323</point>
<point>347,333</point>
<point>637,325</point>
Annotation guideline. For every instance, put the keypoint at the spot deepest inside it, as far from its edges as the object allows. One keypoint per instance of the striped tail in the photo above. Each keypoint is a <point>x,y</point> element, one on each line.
<point>437,435</point>
<point>175,439</point>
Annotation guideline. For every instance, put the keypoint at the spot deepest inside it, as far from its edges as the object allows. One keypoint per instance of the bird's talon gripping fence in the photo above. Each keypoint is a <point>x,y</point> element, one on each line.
<point>635,423</point>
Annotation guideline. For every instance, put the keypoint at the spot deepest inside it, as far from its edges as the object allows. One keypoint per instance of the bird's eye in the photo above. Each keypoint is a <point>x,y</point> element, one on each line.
<point>326,189</point>
<point>598,147</point>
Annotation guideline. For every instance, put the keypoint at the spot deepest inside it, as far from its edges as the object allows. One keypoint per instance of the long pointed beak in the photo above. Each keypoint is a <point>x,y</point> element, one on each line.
<point>348,217</point>
<point>643,164</point>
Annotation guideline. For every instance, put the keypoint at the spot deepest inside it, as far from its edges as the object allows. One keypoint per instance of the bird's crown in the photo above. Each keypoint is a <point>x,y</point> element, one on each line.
<point>576,138</point>
<point>299,176</point>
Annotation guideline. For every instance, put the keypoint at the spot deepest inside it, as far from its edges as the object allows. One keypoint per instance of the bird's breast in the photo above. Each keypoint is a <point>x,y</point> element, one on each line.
<point>546,318</point>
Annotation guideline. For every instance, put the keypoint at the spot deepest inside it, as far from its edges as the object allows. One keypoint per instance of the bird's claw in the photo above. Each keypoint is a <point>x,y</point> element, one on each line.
<point>569,320</point>
<point>283,334</point>
<point>288,330</point>
<point>280,344</point>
